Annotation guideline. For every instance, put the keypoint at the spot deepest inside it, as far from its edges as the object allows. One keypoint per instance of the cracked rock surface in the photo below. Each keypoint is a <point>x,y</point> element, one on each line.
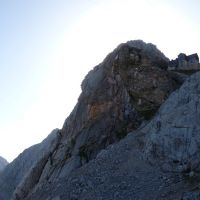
<point>148,163</point>
<point>118,95</point>
<point>92,157</point>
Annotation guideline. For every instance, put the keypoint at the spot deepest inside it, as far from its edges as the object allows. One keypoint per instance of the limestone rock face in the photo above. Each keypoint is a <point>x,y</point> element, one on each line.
<point>174,134</point>
<point>23,165</point>
<point>3,163</point>
<point>185,63</point>
<point>118,95</point>
<point>154,54</point>
<point>160,160</point>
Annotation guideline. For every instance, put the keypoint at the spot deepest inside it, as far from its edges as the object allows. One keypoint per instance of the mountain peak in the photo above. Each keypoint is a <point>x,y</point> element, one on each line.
<point>149,48</point>
<point>113,128</point>
<point>185,63</point>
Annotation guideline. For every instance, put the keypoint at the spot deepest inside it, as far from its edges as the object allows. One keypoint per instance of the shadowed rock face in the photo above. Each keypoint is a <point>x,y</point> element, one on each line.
<point>159,161</point>
<point>3,163</point>
<point>119,94</point>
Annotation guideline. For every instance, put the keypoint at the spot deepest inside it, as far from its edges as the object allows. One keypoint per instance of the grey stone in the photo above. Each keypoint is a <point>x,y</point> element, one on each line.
<point>178,139</point>
<point>119,96</point>
<point>108,106</point>
<point>185,63</point>
<point>3,163</point>
<point>56,198</point>
<point>159,163</point>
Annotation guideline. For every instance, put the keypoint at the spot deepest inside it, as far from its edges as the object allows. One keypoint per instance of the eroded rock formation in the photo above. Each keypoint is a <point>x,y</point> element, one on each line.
<point>158,161</point>
<point>185,63</point>
<point>119,96</point>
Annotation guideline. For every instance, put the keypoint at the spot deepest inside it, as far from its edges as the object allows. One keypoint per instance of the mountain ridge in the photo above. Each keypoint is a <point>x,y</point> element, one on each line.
<point>121,95</point>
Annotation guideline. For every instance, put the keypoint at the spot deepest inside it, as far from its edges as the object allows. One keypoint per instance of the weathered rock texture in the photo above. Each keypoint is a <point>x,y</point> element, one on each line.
<point>3,163</point>
<point>158,161</point>
<point>185,63</point>
<point>118,96</point>
<point>24,164</point>
<point>174,134</point>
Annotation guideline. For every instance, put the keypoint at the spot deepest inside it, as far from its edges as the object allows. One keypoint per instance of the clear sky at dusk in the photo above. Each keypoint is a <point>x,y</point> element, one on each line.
<point>48,46</point>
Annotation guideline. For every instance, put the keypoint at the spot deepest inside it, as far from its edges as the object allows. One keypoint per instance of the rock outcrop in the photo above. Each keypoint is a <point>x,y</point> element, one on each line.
<point>185,63</point>
<point>158,161</point>
<point>174,134</point>
<point>3,163</point>
<point>119,96</point>
<point>23,165</point>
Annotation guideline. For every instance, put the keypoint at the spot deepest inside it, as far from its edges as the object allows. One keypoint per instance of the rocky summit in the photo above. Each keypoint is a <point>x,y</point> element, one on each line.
<point>134,134</point>
<point>185,63</point>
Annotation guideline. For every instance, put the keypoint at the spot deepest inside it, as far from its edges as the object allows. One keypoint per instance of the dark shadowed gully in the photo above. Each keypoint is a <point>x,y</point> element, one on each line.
<point>134,134</point>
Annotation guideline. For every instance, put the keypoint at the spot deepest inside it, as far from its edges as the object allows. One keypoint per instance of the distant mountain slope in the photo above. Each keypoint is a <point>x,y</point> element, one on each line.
<point>15,172</point>
<point>3,163</point>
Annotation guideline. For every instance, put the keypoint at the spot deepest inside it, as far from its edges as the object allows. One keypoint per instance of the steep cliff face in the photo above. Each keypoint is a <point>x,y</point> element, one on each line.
<point>158,161</point>
<point>174,134</point>
<point>3,163</point>
<point>118,95</point>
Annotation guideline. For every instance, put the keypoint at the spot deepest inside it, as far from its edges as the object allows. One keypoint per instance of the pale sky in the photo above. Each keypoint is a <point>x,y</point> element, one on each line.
<point>48,46</point>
